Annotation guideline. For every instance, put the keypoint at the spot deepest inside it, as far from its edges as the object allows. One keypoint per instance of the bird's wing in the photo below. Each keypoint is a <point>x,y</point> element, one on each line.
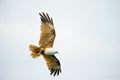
<point>53,64</point>
<point>47,31</point>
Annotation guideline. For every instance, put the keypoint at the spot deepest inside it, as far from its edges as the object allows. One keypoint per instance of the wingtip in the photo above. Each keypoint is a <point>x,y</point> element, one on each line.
<point>45,18</point>
<point>39,13</point>
<point>55,72</point>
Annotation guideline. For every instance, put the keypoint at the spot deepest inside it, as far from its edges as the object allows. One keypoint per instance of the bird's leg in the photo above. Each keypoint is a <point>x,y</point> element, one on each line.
<point>39,53</point>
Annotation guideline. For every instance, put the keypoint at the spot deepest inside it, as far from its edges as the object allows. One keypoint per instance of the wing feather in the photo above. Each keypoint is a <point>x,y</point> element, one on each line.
<point>47,31</point>
<point>53,64</point>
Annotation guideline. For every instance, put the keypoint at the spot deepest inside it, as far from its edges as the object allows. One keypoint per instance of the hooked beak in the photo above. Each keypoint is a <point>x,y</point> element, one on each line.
<point>56,52</point>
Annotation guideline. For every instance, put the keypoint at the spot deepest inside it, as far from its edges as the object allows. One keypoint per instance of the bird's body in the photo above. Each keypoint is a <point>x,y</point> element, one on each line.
<point>45,47</point>
<point>50,51</point>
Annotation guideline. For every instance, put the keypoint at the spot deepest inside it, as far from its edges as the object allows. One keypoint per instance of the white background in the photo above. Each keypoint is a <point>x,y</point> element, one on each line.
<point>88,39</point>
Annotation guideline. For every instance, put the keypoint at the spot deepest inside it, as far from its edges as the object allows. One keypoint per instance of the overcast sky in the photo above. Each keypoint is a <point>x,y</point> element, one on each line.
<point>87,38</point>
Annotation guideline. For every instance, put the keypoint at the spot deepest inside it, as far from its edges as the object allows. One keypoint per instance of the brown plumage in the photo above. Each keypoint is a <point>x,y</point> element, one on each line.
<point>47,37</point>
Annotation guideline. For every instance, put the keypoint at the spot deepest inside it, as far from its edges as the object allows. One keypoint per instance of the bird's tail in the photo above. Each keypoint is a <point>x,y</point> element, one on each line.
<point>35,51</point>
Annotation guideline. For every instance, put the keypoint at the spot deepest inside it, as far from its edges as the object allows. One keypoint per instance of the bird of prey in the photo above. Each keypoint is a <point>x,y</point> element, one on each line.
<point>45,47</point>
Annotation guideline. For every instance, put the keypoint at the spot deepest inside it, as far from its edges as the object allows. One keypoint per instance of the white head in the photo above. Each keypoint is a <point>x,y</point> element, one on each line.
<point>50,51</point>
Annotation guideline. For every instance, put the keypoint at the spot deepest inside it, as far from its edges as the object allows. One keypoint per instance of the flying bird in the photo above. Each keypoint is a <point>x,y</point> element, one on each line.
<point>45,47</point>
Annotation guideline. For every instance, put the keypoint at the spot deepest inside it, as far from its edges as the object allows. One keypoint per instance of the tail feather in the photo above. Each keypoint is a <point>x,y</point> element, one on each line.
<point>35,51</point>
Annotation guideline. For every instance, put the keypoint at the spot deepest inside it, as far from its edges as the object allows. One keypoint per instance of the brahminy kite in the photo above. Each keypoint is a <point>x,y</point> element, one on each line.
<point>45,47</point>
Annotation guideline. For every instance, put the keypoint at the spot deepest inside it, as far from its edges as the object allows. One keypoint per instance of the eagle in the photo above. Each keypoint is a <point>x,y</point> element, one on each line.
<point>45,47</point>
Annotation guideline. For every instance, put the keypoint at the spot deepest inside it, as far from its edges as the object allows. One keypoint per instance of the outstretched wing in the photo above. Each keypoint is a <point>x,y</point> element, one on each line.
<point>47,31</point>
<point>53,64</point>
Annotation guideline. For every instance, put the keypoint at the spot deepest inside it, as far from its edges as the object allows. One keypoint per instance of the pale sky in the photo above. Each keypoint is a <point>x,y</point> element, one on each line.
<point>87,38</point>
